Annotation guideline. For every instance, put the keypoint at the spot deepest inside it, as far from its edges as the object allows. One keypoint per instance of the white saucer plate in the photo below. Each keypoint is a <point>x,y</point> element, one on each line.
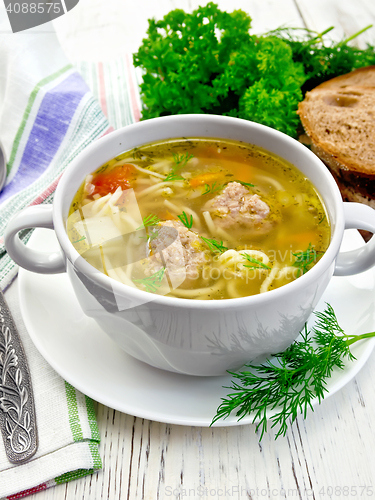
<point>76,347</point>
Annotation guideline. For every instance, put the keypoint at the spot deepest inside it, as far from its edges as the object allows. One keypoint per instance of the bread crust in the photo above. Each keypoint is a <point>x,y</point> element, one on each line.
<point>353,185</point>
<point>364,77</point>
<point>339,118</point>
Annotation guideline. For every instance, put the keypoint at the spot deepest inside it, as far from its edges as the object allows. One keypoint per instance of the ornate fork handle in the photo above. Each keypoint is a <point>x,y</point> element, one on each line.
<point>17,412</point>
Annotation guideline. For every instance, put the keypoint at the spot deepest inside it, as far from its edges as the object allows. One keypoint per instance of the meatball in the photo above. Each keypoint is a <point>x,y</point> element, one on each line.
<point>179,250</point>
<point>236,205</point>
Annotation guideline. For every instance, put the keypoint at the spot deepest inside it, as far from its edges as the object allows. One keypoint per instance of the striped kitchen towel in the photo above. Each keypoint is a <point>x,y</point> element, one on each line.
<point>48,114</point>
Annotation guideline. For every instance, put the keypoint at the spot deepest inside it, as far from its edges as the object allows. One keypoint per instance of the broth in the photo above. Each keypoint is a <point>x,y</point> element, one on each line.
<point>199,218</point>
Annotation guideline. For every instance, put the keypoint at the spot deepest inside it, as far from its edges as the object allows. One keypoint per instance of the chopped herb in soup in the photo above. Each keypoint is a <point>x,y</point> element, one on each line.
<point>199,219</point>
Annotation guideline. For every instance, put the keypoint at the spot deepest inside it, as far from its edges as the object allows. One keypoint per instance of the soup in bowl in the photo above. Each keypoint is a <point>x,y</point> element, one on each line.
<point>199,218</point>
<point>198,243</point>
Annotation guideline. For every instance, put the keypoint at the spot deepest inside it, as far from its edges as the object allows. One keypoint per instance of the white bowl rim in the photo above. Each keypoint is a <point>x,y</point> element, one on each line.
<point>144,297</point>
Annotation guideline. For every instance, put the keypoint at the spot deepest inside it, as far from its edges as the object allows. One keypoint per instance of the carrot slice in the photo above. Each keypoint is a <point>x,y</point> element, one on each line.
<point>207,178</point>
<point>166,215</point>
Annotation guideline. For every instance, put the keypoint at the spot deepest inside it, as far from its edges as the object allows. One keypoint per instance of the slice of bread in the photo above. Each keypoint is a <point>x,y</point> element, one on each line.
<point>339,118</point>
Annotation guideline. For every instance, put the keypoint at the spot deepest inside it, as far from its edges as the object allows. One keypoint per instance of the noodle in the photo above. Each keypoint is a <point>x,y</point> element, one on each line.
<point>192,194</point>
<point>155,187</point>
<point>194,214</point>
<point>172,206</point>
<point>268,281</point>
<point>161,164</point>
<point>221,233</point>
<point>187,294</point>
<point>129,220</point>
<point>256,254</point>
<point>149,172</point>
<point>97,205</point>
<point>114,210</point>
<point>209,222</point>
<point>129,269</point>
<point>230,257</point>
<point>271,181</point>
<point>148,181</point>
<point>117,273</point>
<point>214,230</point>
<point>179,210</point>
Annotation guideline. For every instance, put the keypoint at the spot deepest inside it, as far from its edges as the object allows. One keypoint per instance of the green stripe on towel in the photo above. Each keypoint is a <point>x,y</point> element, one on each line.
<point>75,426</point>
<point>74,422</point>
<point>95,436</point>
<point>71,476</point>
<point>96,459</point>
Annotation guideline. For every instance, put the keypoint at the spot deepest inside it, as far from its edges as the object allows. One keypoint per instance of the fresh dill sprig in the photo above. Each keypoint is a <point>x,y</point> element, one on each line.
<point>149,220</point>
<point>138,154</point>
<point>153,282</point>
<point>322,58</point>
<point>151,236</point>
<point>254,263</point>
<point>184,218</point>
<point>81,239</point>
<point>246,184</point>
<point>179,162</point>
<point>322,220</point>
<point>212,188</point>
<point>286,385</point>
<point>305,259</point>
<point>214,245</point>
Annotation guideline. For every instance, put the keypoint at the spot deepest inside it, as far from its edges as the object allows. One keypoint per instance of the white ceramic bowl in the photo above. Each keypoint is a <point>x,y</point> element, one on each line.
<point>195,337</point>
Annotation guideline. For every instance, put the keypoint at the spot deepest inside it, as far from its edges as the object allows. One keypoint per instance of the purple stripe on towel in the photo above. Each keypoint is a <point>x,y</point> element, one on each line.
<point>50,127</point>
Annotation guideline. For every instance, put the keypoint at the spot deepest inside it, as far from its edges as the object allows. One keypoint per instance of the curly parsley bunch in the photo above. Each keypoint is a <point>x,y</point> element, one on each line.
<point>207,62</point>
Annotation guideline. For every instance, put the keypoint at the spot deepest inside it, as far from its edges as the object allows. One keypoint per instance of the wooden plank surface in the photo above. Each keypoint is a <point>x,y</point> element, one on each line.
<point>328,455</point>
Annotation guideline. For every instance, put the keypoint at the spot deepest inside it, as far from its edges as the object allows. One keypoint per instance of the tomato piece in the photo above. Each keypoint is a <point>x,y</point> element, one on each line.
<point>108,182</point>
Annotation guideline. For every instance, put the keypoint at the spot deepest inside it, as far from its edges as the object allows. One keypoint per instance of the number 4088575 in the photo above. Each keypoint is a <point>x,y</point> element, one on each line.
<point>33,8</point>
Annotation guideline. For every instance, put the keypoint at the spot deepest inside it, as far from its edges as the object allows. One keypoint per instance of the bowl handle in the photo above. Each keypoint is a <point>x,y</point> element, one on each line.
<point>357,216</point>
<point>32,260</point>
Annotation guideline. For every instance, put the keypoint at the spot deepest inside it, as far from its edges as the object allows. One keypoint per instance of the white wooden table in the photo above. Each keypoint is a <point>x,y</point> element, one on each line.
<point>328,455</point>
